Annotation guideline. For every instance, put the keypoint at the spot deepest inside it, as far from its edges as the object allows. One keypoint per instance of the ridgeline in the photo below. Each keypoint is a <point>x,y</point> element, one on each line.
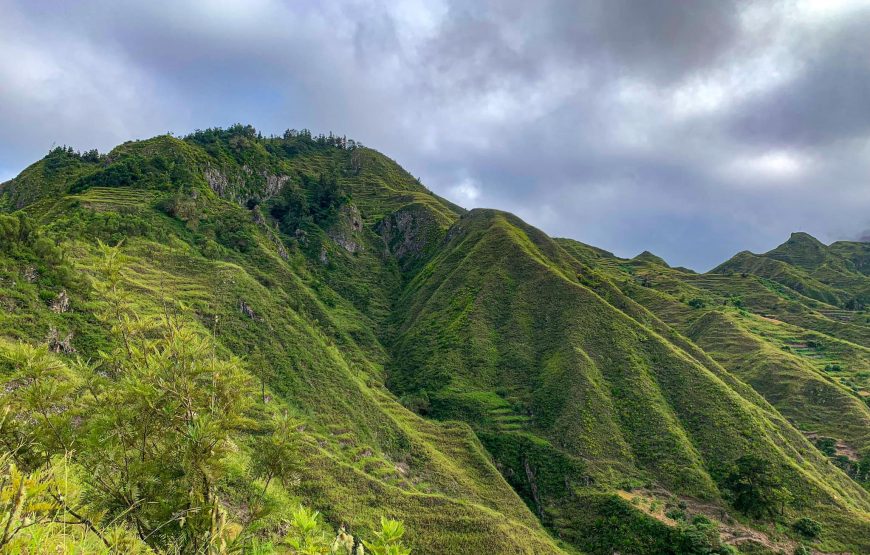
<point>204,340</point>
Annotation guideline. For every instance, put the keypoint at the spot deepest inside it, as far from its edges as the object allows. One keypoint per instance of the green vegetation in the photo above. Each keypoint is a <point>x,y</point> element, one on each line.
<point>291,346</point>
<point>755,488</point>
<point>808,528</point>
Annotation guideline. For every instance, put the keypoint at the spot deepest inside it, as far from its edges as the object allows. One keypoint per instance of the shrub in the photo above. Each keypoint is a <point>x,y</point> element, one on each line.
<point>676,514</point>
<point>308,537</point>
<point>807,528</point>
<point>827,445</point>
<point>388,541</point>
<point>417,402</point>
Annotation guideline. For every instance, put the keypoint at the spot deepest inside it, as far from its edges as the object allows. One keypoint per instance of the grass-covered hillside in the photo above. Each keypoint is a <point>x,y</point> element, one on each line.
<point>233,343</point>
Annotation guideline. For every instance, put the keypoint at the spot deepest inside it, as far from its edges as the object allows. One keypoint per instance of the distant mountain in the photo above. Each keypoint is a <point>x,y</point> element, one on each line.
<point>497,390</point>
<point>836,275</point>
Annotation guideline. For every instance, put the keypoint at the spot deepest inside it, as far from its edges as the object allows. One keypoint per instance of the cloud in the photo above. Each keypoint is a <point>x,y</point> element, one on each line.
<point>694,130</point>
<point>772,167</point>
<point>465,192</point>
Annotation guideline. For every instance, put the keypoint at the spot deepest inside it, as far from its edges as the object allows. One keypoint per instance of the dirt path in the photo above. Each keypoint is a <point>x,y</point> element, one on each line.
<point>731,532</point>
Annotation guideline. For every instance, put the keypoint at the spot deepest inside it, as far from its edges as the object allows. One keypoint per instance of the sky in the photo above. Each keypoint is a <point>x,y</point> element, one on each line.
<point>693,129</point>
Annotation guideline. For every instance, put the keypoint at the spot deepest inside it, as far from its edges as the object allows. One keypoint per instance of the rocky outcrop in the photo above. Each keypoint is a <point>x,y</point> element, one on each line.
<point>345,231</point>
<point>259,219</point>
<point>31,274</point>
<point>274,184</point>
<point>58,345</point>
<point>235,187</point>
<point>409,232</point>
<point>217,181</point>
<point>60,304</point>
<point>246,309</point>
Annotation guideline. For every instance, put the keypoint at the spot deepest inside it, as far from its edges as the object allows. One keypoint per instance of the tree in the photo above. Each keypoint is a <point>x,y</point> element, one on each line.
<point>755,488</point>
<point>33,503</point>
<point>276,454</point>
<point>327,197</point>
<point>290,208</point>
<point>157,420</point>
<point>827,445</point>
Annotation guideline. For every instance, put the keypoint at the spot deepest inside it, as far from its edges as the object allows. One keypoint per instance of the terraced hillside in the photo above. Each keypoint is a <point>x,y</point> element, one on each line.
<point>496,390</point>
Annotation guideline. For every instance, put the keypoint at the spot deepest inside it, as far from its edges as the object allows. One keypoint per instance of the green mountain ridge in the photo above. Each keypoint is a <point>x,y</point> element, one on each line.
<point>834,274</point>
<point>497,390</point>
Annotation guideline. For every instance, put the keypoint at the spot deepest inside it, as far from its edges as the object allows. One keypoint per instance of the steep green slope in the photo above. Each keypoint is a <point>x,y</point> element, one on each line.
<point>500,330</point>
<point>856,253</point>
<point>784,363</point>
<point>816,375</point>
<point>220,268</point>
<point>811,268</point>
<point>497,390</point>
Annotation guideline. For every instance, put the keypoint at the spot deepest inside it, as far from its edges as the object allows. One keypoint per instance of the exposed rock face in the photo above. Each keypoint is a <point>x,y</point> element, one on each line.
<point>258,217</point>
<point>301,236</point>
<point>30,274</point>
<point>408,232</point>
<point>323,256</point>
<point>453,232</point>
<point>533,484</point>
<point>260,220</point>
<point>217,181</point>
<point>231,187</point>
<point>345,230</point>
<point>355,218</point>
<point>274,184</point>
<point>58,345</point>
<point>247,310</point>
<point>60,304</point>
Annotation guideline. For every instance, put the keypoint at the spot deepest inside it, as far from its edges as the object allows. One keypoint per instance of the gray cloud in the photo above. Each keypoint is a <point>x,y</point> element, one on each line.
<point>692,129</point>
<point>827,101</point>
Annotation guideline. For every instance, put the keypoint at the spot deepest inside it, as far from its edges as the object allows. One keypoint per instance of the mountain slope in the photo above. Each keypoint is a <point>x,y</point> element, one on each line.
<point>221,271</point>
<point>497,390</point>
<point>811,268</point>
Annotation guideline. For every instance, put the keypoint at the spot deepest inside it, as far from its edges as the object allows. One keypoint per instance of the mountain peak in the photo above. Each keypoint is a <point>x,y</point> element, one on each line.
<point>647,256</point>
<point>801,249</point>
<point>804,238</point>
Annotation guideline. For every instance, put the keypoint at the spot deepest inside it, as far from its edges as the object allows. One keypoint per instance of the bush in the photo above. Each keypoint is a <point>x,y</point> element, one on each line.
<point>827,445</point>
<point>807,528</point>
<point>697,303</point>
<point>388,540</point>
<point>308,537</point>
<point>676,514</point>
<point>417,402</point>
<point>701,537</point>
<point>15,230</point>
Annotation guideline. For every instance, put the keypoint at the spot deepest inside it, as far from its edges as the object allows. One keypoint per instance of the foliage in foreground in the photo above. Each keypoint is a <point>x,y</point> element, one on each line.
<point>127,454</point>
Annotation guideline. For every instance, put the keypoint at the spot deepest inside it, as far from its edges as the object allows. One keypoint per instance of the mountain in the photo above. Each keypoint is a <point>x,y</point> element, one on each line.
<point>836,275</point>
<point>379,351</point>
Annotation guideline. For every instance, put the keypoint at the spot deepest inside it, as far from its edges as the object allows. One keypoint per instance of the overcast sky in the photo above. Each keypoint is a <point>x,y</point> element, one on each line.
<point>694,129</point>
